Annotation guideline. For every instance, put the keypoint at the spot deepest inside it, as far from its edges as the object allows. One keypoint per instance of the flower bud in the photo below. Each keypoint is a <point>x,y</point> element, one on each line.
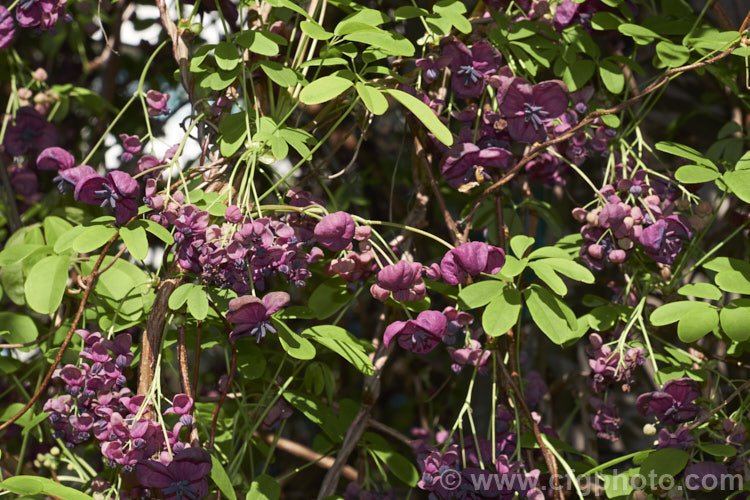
<point>649,430</point>
<point>666,273</point>
<point>39,75</point>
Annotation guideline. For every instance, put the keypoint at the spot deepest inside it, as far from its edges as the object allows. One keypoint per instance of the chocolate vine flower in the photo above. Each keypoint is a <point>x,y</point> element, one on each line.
<point>30,132</point>
<point>471,259</point>
<point>680,439</point>
<point>55,158</point>
<point>157,103</point>
<point>404,279</point>
<point>673,404</point>
<point>40,13</point>
<point>662,240</point>
<point>431,67</point>
<point>528,108</point>
<point>183,479</point>
<point>132,146</point>
<point>470,68</point>
<point>335,231</point>
<point>118,190</point>
<point>419,335</point>
<point>464,163</point>
<point>7,28</point>
<point>67,179</point>
<point>252,315</point>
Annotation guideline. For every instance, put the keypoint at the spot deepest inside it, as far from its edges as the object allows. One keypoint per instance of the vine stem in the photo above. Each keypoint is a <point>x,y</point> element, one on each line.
<point>91,283</point>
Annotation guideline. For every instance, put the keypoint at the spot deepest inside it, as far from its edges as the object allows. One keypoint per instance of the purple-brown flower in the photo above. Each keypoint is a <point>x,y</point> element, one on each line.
<point>673,404</point>
<point>431,67</point>
<point>118,190</point>
<point>30,132</point>
<point>252,315</point>
<point>157,103</point>
<point>662,240</point>
<point>55,158</point>
<point>40,13</point>
<point>67,179</point>
<point>528,108</point>
<point>471,259</point>
<point>419,335</point>
<point>7,28</point>
<point>470,68</point>
<point>464,162</point>
<point>132,146</point>
<point>335,231</point>
<point>183,479</point>
<point>404,279</point>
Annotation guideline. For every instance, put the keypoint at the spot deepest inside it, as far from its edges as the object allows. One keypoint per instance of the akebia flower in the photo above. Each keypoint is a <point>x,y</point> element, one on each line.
<point>404,279</point>
<point>464,163</point>
<point>419,335</point>
<point>55,158</point>
<point>431,67</point>
<point>252,315</point>
<point>30,132</point>
<point>157,103</point>
<point>470,68</point>
<point>183,479</point>
<point>67,179</point>
<point>335,231</point>
<point>40,13</point>
<point>7,28</point>
<point>673,404</point>
<point>118,190</point>
<point>132,146</point>
<point>662,240</point>
<point>528,108</point>
<point>471,259</point>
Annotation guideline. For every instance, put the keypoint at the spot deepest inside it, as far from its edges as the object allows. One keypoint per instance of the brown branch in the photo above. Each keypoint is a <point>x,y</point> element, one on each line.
<point>91,283</point>
<point>32,343</point>
<point>306,453</point>
<point>537,149</point>
<point>197,362</point>
<point>379,426</point>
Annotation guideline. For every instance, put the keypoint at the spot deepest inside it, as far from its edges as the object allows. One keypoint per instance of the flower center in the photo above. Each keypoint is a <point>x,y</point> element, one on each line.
<point>108,195</point>
<point>261,329</point>
<point>182,489</point>
<point>534,114</point>
<point>471,75</point>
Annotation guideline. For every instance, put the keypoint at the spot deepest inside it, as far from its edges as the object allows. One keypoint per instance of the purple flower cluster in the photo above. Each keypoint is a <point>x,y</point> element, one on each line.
<point>182,478</point>
<point>97,404</point>
<point>673,404</point>
<point>41,14</point>
<point>635,212</point>
<point>252,315</point>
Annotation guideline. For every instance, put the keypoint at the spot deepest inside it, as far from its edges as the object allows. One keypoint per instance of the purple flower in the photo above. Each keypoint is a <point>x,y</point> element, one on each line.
<point>470,68</point>
<point>673,404</point>
<point>463,163</point>
<point>68,179</point>
<point>433,466</point>
<point>157,103</point>
<point>528,108</point>
<point>118,190</point>
<point>55,158</point>
<point>431,67</point>
<point>404,279</point>
<point>335,231</point>
<point>181,405</point>
<point>662,240</point>
<point>252,315</point>
<point>31,132</point>
<point>705,476</point>
<point>680,439</point>
<point>471,355</point>
<point>7,28</point>
<point>191,222</point>
<point>456,321</point>
<point>569,12</point>
<point>40,13</point>
<point>471,259</point>
<point>278,412</point>
<point>132,146</point>
<point>183,479</point>
<point>419,335</point>
<point>606,422</point>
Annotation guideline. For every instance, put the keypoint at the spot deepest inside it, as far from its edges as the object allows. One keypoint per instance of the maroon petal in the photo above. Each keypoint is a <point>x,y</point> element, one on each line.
<point>55,159</point>
<point>552,96</point>
<point>246,310</point>
<point>274,301</point>
<point>153,474</point>
<point>87,187</point>
<point>516,95</point>
<point>395,328</point>
<point>124,183</point>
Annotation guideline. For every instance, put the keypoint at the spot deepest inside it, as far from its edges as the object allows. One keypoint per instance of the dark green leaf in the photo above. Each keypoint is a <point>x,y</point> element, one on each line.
<point>17,328</point>
<point>343,343</point>
<point>296,345</point>
<point>45,284</point>
<point>221,479</point>
<point>424,114</point>
<point>264,487</point>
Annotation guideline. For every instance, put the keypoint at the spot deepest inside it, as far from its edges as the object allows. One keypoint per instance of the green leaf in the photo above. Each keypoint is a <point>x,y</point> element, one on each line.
<point>343,343</point>
<point>278,73</point>
<point>17,328</point>
<point>324,89</point>
<point>297,346</point>
<point>219,80</point>
<point>65,241</point>
<point>735,320</point>
<point>672,312</point>
<point>512,268</point>
<point>390,43</point>
<point>718,450</point>
<point>551,315</point>
<point>221,479</point>
<point>424,114</point>
<point>93,237</point>
<point>612,76</point>
<point>696,174</point>
<point>180,296</point>
<point>54,227</point>
<point>734,281</point>
<point>602,318</point>
<point>264,487</point>
<point>328,298</point>
<point>373,98</point>
<point>319,413</point>
<point>158,230</point>
<point>502,312</point>
<point>226,55</point>
<point>701,291</point>
<point>605,21</point>
<point>13,282</point>
<point>696,323</point>
<point>739,182</point>
<point>672,55</point>
<point>197,303</point>
<point>17,253</point>
<point>545,272</point>
<point>136,241</point>
<point>233,130</point>
<point>664,462</point>
<point>684,152</point>
<point>398,465</point>
<point>250,361</point>
<point>520,244</point>
<point>571,269</point>
<point>578,73</point>
<point>480,293</point>
<point>45,284</point>
<point>36,485</point>
<point>259,42</point>
<point>641,34</point>
<point>288,4</point>
<point>314,30</point>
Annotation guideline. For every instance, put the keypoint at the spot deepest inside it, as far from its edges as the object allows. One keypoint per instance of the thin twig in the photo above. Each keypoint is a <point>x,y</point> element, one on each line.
<point>306,453</point>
